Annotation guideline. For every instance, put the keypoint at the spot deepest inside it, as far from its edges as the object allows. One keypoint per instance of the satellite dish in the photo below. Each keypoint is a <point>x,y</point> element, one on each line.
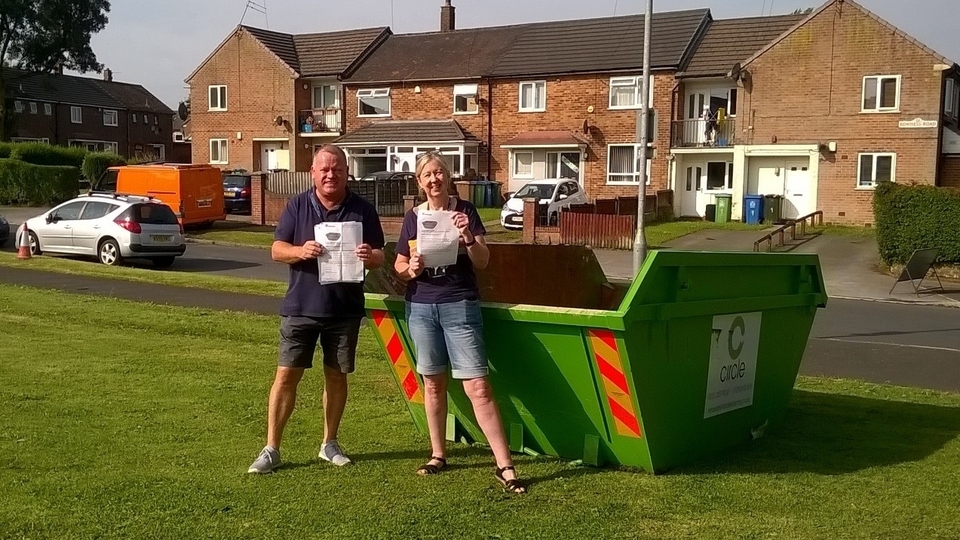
<point>183,112</point>
<point>278,120</point>
<point>735,72</point>
<point>586,126</point>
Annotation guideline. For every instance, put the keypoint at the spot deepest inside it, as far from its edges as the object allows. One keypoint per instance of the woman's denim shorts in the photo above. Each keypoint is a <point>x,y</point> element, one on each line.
<point>448,334</point>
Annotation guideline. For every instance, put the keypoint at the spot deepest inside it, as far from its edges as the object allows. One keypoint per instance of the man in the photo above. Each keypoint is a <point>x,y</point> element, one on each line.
<point>312,312</point>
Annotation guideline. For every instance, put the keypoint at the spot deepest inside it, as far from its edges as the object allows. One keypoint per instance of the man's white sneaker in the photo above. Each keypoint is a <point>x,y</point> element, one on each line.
<point>266,462</point>
<point>331,452</point>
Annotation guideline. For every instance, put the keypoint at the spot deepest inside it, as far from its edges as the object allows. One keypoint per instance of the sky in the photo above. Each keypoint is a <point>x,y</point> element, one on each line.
<point>158,44</point>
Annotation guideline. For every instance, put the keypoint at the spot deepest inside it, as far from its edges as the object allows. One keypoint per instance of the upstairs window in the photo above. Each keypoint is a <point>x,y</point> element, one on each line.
<point>33,107</point>
<point>76,115</point>
<point>47,109</point>
<point>18,106</point>
<point>465,99</point>
<point>881,93</point>
<point>533,96</point>
<point>373,102</point>
<point>109,118</point>
<point>626,92</point>
<point>218,98</point>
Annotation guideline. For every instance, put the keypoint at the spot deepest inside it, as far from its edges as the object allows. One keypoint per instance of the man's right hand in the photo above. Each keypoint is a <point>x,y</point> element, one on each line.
<point>310,250</point>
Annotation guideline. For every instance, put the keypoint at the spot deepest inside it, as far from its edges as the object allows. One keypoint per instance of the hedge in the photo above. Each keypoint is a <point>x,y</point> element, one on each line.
<point>916,217</point>
<point>45,154</point>
<point>36,185</point>
<point>97,162</point>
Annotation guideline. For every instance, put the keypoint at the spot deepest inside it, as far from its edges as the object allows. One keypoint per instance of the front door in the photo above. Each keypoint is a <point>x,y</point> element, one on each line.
<point>799,200</point>
<point>690,198</point>
<point>269,159</point>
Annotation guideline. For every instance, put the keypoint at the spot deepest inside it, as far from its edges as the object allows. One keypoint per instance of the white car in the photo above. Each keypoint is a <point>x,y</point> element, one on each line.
<point>111,228</point>
<point>554,194</point>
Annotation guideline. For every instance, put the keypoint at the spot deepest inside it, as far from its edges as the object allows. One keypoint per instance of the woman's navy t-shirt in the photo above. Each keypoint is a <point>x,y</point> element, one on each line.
<point>306,297</point>
<point>459,281</point>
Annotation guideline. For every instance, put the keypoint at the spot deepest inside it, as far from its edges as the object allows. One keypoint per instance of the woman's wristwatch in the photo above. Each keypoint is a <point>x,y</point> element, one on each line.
<point>470,243</point>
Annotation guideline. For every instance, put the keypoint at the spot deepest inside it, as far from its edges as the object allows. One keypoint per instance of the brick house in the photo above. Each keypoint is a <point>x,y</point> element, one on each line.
<point>99,115</point>
<point>515,103</point>
<point>835,104</point>
<point>264,100</point>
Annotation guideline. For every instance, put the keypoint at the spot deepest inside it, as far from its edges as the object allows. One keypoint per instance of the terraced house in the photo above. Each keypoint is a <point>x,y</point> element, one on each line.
<point>96,114</point>
<point>816,108</point>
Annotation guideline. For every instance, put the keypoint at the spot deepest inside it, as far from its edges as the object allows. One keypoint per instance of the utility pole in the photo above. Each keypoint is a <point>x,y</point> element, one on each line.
<point>640,242</point>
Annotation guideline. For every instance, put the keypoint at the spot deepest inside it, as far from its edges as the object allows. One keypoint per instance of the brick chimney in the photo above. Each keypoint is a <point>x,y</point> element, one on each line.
<point>107,74</point>
<point>448,19</point>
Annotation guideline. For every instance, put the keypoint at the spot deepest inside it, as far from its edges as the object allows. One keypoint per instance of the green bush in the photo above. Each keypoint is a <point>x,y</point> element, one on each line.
<point>36,185</point>
<point>45,154</point>
<point>97,162</point>
<point>5,148</point>
<point>916,217</point>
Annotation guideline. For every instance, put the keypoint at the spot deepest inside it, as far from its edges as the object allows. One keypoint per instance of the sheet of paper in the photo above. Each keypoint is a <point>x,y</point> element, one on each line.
<point>438,241</point>
<point>339,262</point>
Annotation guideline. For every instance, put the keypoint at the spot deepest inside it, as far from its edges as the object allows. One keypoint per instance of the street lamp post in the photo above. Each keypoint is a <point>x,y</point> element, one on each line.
<point>640,242</point>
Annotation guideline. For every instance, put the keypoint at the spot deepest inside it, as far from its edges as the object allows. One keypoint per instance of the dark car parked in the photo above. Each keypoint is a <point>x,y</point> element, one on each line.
<point>236,192</point>
<point>4,231</point>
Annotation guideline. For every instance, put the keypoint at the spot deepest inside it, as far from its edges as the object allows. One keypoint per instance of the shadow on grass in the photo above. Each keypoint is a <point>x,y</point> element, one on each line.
<point>833,434</point>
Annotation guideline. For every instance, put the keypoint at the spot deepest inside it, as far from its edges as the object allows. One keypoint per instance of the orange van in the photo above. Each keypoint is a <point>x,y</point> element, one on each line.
<point>194,192</point>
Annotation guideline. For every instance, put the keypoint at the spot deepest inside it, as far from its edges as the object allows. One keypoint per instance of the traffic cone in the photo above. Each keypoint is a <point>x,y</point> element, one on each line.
<point>23,251</point>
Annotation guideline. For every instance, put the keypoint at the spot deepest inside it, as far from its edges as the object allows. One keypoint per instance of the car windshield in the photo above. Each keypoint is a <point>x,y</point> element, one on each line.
<point>540,191</point>
<point>236,181</point>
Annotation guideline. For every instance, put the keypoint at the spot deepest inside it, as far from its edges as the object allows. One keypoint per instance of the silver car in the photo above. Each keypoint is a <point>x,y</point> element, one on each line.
<point>111,228</point>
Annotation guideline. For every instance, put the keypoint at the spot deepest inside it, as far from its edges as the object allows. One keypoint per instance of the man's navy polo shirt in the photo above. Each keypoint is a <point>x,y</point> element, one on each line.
<point>306,297</point>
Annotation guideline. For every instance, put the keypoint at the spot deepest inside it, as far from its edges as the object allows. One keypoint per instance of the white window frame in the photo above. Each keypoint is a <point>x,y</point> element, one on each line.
<point>878,85</point>
<point>949,94</point>
<point>30,139</point>
<point>556,155</point>
<point>47,109</point>
<point>111,147</point>
<point>873,180</point>
<point>374,93</point>
<point>114,114</point>
<point>76,115</point>
<point>221,98</point>
<point>633,182</point>
<point>156,120</point>
<point>222,151</point>
<point>145,119</point>
<point>540,92</point>
<point>162,154</point>
<point>18,105</point>
<point>636,83</point>
<point>134,118</point>
<point>33,107</point>
<point>467,90</point>
<point>516,165</point>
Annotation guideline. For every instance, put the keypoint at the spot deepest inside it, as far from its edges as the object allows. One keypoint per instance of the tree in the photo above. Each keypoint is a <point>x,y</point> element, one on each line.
<point>48,36</point>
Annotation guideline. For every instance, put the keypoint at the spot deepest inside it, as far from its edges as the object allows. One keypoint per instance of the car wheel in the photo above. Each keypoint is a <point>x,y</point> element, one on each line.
<point>109,253</point>
<point>34,244</point>
<point>163,262</point>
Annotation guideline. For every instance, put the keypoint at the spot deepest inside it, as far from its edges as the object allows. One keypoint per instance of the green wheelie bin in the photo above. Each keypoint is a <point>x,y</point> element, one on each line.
<point>697,355</point>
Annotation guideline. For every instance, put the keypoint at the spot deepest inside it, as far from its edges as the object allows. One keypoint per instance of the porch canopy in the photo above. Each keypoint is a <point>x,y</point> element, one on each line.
<point>395,144</point>
<point>546,139</point>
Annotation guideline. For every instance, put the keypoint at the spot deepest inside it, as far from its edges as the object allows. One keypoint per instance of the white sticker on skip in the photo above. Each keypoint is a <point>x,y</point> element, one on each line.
<point>733,363</point>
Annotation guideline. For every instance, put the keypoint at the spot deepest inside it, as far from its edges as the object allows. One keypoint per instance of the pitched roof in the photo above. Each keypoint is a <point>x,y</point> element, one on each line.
<point>866,12</point>
<point>334,53</point>
<point>407,131</point>
<point>729,41</point>
<point>75,90</point>
<point>592,45</point>
<point>603,44</point>
<point>133,96</point>
<point>461,54</point>
<point>324,53</point>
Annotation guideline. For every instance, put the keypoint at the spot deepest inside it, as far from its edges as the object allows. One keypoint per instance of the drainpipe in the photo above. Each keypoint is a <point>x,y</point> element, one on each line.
<point>489,128</point>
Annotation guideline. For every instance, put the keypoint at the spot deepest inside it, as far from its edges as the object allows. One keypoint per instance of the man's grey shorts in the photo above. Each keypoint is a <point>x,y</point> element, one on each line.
<point>337,337</point>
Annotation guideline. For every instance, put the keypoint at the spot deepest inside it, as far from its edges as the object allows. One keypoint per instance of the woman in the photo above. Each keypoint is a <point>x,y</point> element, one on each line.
<point>443,313</point>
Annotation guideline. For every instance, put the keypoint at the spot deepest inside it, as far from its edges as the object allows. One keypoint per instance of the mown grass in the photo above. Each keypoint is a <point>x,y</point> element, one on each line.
<point>661,233</point>
<point>236,232</point>
<point>126,420</point>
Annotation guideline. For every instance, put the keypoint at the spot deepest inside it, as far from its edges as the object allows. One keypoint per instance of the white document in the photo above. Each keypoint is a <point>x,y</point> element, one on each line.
<point>438,241</point>
<point>339,262</point>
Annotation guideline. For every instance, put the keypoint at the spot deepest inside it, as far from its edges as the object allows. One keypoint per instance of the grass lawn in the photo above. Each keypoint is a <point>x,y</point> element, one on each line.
<point>236,232</point>
<point>126,420</point>
<point>660,233</point>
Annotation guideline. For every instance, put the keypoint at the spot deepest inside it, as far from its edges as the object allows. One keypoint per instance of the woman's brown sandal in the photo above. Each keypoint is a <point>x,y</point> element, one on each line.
<point>430,468</point>
<point>514,485</point>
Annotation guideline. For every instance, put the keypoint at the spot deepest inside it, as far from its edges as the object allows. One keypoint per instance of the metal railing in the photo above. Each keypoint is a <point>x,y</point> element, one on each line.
<point>319,120</point>
<point>704,133</point>
<point>386,195</point>
<point>815,218</point>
